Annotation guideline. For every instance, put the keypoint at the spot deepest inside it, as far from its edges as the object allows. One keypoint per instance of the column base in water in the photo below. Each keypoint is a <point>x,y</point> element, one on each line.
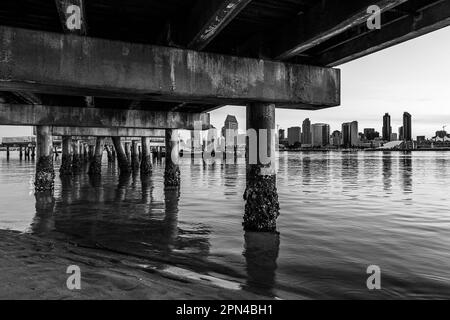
<point>77,165</point>
<point>95,167</point>
<point>261,202</point>
<point>45,174</point>
<point>146,165</point>
<point>172,176</point>
<point>172,170</point>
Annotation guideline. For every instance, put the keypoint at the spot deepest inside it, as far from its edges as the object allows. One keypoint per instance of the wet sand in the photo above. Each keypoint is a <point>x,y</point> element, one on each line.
<point>32,267</point>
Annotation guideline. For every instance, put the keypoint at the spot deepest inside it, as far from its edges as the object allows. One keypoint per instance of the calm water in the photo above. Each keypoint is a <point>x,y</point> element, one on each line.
<point>340,213</point>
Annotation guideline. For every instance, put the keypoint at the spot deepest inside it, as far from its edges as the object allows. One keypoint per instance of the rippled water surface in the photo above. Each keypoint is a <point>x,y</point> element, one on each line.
<point>340,213</point>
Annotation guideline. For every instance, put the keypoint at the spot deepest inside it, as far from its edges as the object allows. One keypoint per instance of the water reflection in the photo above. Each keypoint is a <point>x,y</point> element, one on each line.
<point>406,171</point>
<point>125,219</point>
<point>261,254</point>
<point>387,170</point>
<point>347,219</point>
<point>43,221</point>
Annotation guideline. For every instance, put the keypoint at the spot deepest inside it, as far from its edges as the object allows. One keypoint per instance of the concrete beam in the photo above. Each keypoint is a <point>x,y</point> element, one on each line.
<point>107,132</point>
<point>29,115</point>
<point>322,22</point>
<point>410,26</point>
<point>208,18</point>
<point>72,65</point>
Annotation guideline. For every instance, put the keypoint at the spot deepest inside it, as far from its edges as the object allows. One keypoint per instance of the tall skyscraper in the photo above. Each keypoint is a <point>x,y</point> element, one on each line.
<point>387,128</point>
<point>306,128</point>
<point>400,134</point>
<point>350,134</point>
<point>320,134</point>
<point>407,130</point>
<point>294,135</point>
<point>231,123</point>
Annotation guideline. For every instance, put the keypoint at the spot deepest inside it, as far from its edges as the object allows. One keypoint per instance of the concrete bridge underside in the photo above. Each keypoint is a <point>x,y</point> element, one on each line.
<point>120,68</point>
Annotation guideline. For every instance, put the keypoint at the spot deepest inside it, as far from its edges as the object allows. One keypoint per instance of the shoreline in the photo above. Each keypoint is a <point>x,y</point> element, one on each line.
<point>363,150</point>
<point>35,268</point>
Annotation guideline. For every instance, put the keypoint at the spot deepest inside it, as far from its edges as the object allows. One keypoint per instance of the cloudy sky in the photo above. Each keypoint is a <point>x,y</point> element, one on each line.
<point>413,76</point>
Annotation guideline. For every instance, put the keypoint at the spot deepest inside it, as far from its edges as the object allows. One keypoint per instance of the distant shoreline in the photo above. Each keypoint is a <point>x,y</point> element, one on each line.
<point>362,150</point>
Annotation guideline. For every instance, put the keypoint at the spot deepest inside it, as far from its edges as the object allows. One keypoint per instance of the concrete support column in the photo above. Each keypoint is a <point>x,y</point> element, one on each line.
<point>66,159</point>
<point>7,152</point>
<point>128,151</point>
<point>95,168</point>
<point>172,170</point>
<point>109,154</point>
<point>124,165</point>
<point>85,152</point>
<point>76,158</point>
<point>261,197</point>
<point>91,152</point>
<point>45,173</point>
<point>33,152</point>
<point>20,153</point>
<point>134,156</point>
<point>146,162</point>
<point>192,144</point>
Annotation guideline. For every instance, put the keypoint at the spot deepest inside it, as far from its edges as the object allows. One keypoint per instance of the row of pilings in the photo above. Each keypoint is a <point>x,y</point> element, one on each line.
<point>25,152</point>
<point>131,158</point>
<point>260,196</point>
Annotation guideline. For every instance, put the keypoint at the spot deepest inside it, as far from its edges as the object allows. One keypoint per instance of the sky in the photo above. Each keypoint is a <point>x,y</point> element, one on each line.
<point>413,76</point>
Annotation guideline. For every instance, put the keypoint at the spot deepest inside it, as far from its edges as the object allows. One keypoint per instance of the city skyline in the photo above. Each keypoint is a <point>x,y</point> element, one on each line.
<point>411,77</point>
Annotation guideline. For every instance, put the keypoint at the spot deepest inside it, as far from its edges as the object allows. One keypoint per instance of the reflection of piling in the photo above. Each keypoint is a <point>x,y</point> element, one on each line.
<point>44,222</point>
<point>261,254</point>
<point>20,153</point>
<point>7,152</point>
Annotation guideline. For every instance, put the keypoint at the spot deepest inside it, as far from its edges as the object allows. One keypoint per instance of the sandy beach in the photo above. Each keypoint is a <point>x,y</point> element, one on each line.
<point>35,268</point>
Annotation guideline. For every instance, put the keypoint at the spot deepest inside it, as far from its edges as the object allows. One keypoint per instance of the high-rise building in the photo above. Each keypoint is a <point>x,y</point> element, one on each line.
<point>336,138</point>
<point>407,130</point>
<point>387,128</point>
<point>400,133</point>
<point>294,135</point>
<point>231,123</point>
<point>306,128</point>
<point>350,134</point>
<point>394,136</point>
<point>320,134</point>
<point>370,134</point>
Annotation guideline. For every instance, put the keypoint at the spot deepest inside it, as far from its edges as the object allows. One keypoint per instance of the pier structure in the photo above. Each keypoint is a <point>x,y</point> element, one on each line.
<point>164,65</point>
